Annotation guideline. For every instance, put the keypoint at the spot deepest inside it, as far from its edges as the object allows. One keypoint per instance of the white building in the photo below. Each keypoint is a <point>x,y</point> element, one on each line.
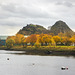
<point>49,28</point>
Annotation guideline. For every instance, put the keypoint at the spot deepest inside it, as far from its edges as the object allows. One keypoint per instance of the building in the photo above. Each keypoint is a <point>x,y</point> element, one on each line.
<point>3,40</point>
<point>49,28</point>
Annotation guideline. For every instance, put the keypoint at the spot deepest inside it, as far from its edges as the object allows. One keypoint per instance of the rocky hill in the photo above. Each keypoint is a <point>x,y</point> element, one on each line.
<point>60,26</point>
<point>33,29</point>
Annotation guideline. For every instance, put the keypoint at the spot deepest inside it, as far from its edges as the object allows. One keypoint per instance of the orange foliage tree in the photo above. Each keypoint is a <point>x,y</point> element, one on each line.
<point>43,39</point>
<point>31,39</point>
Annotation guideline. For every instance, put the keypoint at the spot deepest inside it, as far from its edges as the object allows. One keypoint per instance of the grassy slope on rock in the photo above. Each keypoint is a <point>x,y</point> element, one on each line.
<point>33,29</point>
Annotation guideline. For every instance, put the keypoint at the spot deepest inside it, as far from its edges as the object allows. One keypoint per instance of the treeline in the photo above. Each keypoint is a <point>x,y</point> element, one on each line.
<point>38,40</point>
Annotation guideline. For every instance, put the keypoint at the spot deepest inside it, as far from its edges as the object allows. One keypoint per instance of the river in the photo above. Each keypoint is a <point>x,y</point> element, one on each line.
<point>21,64</point>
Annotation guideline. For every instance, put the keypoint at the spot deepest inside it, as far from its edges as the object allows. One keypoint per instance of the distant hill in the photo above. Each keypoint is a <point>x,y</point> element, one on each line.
<point>58,27</point>
<point>61,26</point>
<point>33,29</point>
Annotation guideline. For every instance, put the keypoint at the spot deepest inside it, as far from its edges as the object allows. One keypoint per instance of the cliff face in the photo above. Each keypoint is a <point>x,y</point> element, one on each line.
<point>61,26</point>
<point>33,29</point>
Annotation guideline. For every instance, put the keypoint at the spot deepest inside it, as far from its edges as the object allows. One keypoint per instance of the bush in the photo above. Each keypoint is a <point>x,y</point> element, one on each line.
<point>10,43</point>
<point>37,45</point>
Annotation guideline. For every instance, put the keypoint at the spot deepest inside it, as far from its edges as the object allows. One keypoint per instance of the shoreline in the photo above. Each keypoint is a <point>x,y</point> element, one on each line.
<point>58,51</point>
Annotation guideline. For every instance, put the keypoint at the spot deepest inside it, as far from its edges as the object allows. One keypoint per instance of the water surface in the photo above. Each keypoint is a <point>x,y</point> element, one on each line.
<point>34,65</point>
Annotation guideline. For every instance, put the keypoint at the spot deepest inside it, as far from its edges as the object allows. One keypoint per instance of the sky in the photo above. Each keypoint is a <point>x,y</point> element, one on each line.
<point>15,14</point>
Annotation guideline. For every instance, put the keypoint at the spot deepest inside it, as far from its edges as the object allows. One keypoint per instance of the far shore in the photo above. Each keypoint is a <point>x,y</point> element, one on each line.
<point>45,50</point>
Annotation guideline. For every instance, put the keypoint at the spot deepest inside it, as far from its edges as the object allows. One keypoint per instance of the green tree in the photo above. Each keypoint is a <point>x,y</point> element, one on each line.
<point>9,43</point>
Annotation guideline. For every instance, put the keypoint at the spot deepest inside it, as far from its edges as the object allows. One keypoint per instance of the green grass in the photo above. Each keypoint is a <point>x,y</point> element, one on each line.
<point>2,47</point>
<point>54,48</point>
<point>32,50</point>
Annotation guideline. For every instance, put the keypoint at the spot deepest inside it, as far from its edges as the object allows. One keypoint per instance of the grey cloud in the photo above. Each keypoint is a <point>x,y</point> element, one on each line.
<point>47,1</point>
<point>12,21</point>
<point>43,12</point>
<point>9,7</point>
<point>25,11</point>
<point>65,3</point>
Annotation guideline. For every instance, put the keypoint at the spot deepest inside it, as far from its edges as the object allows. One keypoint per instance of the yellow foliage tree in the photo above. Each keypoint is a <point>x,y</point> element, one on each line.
<point>10,42</point>
<point>53,42</point>
<point>72,39</point>
<point>47,39</point>
<point>56,39</point>
<point>40,39</point>
<point>19,38</point>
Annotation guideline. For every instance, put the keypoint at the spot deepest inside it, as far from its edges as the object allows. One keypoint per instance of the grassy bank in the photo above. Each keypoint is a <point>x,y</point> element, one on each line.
<point>44,50</point>
<point>3,47</point>
<point>50,48</point>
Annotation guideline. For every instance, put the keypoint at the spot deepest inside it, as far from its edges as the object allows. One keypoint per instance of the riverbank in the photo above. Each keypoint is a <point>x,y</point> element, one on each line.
<point>44,50</point>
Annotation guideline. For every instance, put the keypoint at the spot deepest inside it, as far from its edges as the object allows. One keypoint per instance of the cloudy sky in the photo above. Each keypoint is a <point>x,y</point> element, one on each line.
<point>15,14</point>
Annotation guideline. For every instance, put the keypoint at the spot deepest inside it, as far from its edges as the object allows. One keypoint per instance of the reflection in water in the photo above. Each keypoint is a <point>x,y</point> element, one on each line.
<point>35,65</point>
<point>11,52</point>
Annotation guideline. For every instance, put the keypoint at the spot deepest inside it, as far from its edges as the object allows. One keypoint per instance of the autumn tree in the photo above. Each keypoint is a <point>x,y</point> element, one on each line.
<point>19,38</point>
<point>10,37</point>
<point>47,39</point>
<point>53,42</point>
<point>23,42</point>
<point>37,44</point>
<point>9,43</point>
<point>72,39</point>
<point>28,39</point>
<point>37,36</point>
<point>56,39</point>
<point>66,40</point>
<point>31,39</point>
<point>40,39</point>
